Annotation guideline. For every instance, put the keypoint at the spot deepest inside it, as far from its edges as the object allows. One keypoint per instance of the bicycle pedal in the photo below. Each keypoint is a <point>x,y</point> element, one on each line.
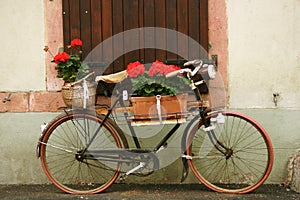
<point>123,177</point>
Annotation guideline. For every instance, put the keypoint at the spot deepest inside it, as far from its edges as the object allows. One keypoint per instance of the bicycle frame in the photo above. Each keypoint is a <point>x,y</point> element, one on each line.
<point>163,141</point>
<point>114,155</point>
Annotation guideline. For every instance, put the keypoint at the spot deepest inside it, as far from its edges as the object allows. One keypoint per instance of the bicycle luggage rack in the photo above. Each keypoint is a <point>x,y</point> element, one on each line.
<point>170,118</point>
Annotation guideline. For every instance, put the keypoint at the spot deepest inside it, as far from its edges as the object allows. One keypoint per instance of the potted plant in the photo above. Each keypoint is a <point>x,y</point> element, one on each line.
<point>71,68</point>
<point>157,94</point>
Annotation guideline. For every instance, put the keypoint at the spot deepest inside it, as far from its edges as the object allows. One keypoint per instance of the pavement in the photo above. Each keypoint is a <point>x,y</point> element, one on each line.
<point>146,192</point>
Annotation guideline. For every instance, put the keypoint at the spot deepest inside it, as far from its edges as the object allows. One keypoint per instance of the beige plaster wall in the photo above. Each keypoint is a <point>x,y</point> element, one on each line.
<point>22,61</point>
<point>264,53</point>
<point>264,58</point>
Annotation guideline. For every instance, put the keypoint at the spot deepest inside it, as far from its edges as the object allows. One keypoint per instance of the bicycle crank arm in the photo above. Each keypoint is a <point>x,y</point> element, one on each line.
<point>141,165</point>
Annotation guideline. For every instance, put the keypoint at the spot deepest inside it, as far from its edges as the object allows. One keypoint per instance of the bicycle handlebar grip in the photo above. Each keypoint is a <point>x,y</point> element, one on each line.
<point>172,74</point>
<point>193,62</point>
<point>188,63</point>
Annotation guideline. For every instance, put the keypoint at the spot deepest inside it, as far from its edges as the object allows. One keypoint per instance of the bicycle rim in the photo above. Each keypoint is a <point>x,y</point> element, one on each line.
<point>250,153</point>
<point>64,139</point>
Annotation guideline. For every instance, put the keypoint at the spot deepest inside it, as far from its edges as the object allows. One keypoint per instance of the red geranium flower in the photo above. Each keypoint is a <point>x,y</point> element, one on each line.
<point>161,68</point>
<point>61,57</point>
<point>156,68</point>
<point>69,64</point>
<point>135,69</point>
<point>76,43</point>
<point>154,81</point>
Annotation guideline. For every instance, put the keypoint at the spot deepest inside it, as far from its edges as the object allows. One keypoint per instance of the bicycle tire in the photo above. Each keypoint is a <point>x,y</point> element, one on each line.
<point>249,162</point>
<point>64,138</point>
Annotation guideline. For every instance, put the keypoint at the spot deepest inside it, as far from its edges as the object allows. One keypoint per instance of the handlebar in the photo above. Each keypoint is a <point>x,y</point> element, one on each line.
<point>198,64</point>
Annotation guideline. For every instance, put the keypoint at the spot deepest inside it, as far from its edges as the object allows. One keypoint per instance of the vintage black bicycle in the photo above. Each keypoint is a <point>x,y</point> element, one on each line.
<point>84,151</point>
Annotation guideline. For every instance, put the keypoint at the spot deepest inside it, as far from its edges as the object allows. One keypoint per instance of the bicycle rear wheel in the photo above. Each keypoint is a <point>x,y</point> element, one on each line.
<point>246,163</point>
<point>65,138</point>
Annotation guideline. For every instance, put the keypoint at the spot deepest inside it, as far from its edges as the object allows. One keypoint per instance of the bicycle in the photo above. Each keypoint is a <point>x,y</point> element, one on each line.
<point>83,152</point>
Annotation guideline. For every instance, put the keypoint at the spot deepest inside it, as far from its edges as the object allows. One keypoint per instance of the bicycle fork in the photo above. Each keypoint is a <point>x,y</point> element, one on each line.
<point>209,129</point>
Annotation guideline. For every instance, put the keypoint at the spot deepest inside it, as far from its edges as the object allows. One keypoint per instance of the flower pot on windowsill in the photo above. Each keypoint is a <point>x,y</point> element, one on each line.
<point>171,106</point>
<point>73,96</point>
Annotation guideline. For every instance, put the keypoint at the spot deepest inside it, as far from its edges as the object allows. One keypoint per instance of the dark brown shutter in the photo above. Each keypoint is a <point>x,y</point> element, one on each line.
<point>93,21</point>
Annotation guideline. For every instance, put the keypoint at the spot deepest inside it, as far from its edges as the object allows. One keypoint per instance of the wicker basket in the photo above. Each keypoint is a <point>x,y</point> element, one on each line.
<point>73,95</point>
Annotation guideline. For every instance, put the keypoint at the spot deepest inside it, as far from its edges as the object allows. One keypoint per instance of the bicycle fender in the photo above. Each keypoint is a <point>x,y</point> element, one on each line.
<point>39,143</point>
<point>184,146</point>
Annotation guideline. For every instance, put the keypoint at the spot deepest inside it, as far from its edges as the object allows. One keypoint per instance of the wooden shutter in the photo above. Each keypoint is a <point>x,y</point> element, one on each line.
<point>93,21</point>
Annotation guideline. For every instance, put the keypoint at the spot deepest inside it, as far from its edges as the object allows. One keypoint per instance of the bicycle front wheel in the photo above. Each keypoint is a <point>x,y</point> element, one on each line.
<point>236,157</point>
<point>64,140</point>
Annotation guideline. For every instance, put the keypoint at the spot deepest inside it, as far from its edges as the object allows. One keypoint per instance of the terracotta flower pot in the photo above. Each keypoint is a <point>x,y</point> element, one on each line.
<point>171,106</point>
